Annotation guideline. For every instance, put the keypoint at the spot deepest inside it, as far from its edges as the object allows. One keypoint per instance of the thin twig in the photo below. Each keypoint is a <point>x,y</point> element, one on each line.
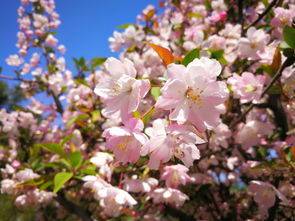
<point>13,78</point>
<point>287,63</point>
<point>241,17</point>
<point>182,216</point>
<point>57,102</point>
<point>260,17</point>
<point>73,208</point>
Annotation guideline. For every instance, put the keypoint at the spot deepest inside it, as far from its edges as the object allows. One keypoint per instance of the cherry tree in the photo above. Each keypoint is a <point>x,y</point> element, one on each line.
<point>194,120</point>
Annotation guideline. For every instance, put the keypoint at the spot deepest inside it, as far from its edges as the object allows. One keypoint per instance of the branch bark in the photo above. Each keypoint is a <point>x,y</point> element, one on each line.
<point>5,77</point>
<point>57,102</point>
<point>289,61</point>
<point>73,208</point>
<point>179,214</point>
<point>260,17</point>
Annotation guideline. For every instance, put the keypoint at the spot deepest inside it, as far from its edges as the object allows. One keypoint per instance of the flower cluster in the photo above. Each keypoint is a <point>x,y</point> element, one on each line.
<point>193,121</point>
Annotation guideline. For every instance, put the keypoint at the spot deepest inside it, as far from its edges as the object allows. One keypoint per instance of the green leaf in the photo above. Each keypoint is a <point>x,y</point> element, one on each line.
<point>1,70</point>
<point>218,55</point>
<point>136,115</point>
<point>267,69</point>
<point>95,115</point>
<point>66,139</point>
<point>195,15</point>
<point>124,26</point>
<point>275,89</point>
<point>64,163</point>
<point>54,148</point>
<point>262,152</point>
<point>95,62</point>
<point>75,159</point>
<point>60,179</point>
<point>45,185</point>
<point>284,45</point>
<point>147,116</point>
<point>265,2</point>
<point>81,81</point>
<point>89,170</point>
<point>207,4</point>
<point>81,64</point>
<point>289,36</point>
<point>156,92</point>
<point>190,56</point>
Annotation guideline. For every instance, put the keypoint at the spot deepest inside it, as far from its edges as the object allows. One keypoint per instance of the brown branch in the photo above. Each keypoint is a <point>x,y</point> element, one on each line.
<point>260,17</point>
<point>57,102</point>
<point>182,216</point>
<point>72,207</point>
<point>289,61</point>
<point>13,78</point>
<point>241,16</point>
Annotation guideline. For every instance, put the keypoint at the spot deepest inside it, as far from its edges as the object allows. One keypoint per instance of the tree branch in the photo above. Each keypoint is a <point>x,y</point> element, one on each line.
<point>57,102</point>
<point>260,17</point>
<point>241,17</point>
<point>179,214</point>
<point>13,78</point>
<point>73,208</point>
<point>287,63</point>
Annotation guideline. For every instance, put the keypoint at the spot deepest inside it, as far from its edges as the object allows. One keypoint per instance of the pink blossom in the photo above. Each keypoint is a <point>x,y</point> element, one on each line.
<point>112,199</point>
<point>288,80</point>
<point>176,175</point>
<point>231,162</point>
<point>218,5</point>
<point>34,198</point>
<point>192,93</point>
<point>220,136</point>
<point>282,17</point>
<point>250,134</point>
<point>126,142</point>
<point>25,175</point>
<point>8,186</point>
<point>14,60</point>
<point>25,69</point>
<point>62,49</point>
<point>265,196</point>
<point>254,45</point>
<point>121,92</point>
<point>173,140</point>
<point>218,16</point>
<point>129,37</point>
<point>35,59</point>
<point>193,38</point>
<point>117,41</point>
<point>40,21</point>
<point>169,196</point>
<point>137,185</point>
<point>216,42</point>
<point>247,87</point>
<point>101,158</point>
<point>51,40</point>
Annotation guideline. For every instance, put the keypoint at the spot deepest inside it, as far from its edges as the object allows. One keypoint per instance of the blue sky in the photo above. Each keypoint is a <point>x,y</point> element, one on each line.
<point>86,25</point>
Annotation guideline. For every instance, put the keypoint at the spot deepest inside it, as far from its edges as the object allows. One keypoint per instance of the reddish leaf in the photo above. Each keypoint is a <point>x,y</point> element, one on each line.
<point>149,14</point>
<point>164,53</point>
<point>293,151</point>
<point>276,61</point>
<point>155,25</point>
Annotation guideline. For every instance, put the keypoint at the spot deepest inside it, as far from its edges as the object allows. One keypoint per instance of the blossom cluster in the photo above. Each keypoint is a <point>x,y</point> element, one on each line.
<point>193,121</point>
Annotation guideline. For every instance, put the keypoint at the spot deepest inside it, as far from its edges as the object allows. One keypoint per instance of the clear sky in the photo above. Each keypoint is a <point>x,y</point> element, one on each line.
<point>86,25</point>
